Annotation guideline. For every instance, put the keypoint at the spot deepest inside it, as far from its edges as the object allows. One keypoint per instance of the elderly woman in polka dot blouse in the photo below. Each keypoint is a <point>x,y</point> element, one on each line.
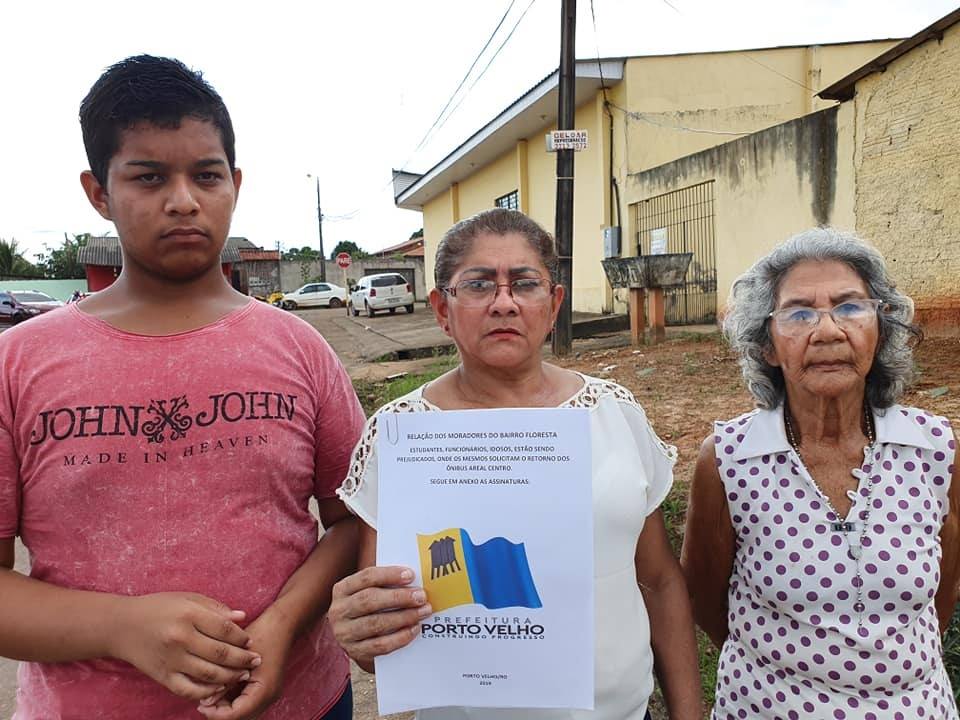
<point>821,547</point>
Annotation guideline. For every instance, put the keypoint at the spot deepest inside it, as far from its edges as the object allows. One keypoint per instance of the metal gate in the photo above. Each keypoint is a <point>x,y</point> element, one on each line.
<point>682,221</point>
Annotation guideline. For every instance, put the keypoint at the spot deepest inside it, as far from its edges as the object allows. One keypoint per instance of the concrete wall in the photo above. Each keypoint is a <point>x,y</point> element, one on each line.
<point>908,174</point>
<point>260,277</point>
<point>294,274</point>
<point>59,289</point>
<point>766,187</point>
<point>665,108</point>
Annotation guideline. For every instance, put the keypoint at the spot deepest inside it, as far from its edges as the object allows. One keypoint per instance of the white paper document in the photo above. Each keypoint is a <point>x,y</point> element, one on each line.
<point>493,511</point>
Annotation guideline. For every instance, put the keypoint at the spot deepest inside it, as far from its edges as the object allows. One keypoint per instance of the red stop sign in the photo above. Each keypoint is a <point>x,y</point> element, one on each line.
<point>344,260</point>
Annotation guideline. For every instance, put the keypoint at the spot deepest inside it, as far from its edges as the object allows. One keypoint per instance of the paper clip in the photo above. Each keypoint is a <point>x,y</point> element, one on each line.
<point>392,428</point>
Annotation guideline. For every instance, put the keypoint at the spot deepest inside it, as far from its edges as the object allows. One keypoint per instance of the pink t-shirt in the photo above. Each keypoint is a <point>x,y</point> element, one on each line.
<point>132,464</point>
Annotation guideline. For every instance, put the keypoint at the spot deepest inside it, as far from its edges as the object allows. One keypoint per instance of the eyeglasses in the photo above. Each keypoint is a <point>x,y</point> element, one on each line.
<point>478,293</point>
<point>848,315</point>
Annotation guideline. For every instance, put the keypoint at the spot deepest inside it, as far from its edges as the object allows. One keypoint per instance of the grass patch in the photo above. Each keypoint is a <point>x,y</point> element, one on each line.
<point>375,394</point>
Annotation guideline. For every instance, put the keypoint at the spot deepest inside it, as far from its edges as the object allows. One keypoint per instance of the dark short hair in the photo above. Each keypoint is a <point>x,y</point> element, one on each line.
<point>458,241</point>
<point>161,91</point>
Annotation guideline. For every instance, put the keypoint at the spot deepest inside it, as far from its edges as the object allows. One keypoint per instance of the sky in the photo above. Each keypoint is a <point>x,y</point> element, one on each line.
<point>342,92</point>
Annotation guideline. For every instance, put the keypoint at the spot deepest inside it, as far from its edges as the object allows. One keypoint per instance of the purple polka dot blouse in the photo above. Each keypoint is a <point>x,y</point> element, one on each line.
<point>834,618</point>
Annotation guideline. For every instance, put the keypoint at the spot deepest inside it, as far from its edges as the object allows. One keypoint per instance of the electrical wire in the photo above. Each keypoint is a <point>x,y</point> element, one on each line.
<point>489,63</point>
<point>596,42</point>
<point>433,126</point>
<point>777,72</point>
<point>747,56</point>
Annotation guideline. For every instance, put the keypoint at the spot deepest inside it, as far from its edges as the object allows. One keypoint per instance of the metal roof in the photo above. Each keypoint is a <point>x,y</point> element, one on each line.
<point>105,251</point>
<point>534,110</point>
<point>100,251</point>
<point>844,88</point>
<point>408,247</point>
<point>250,255</point>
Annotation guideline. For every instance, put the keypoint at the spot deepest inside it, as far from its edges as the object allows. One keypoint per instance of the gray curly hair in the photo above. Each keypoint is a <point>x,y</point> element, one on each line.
<point>754,296</point>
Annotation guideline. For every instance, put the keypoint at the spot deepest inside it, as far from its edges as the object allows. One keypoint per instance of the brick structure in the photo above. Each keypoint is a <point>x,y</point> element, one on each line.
<point>907,166</point>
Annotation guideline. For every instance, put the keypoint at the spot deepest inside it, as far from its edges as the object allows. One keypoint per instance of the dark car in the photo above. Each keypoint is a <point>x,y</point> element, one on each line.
<point>39,301</point>
<point>19,305</point>
<point>12,310</point>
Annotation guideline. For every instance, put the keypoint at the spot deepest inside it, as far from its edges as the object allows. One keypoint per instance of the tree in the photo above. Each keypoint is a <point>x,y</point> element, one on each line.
<point>12,262</point>
<point>62,263</point>
<point>416,234</point>
<point>304,254</point>
<point>350,247</point>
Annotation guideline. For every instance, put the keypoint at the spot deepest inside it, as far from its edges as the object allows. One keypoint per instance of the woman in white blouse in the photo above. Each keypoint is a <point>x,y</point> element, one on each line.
<point>822,545</point>
<point>496,297</point>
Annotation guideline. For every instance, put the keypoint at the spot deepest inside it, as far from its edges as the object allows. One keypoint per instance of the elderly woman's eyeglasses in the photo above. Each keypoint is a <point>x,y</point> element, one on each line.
<point>477,293</point>
<point>848,315</point>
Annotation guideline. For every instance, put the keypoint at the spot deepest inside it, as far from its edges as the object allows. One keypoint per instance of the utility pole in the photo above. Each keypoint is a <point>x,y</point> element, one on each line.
<point>323,258</point>
<point>563,332</point>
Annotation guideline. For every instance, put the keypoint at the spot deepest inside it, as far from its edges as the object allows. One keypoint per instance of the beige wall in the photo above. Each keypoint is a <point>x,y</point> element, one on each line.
<point>720,92</point>
<point>438,216</point>
<point>716,93</point>
<point>495,180</point>
<point>766,187</point>
<point>908,173</point>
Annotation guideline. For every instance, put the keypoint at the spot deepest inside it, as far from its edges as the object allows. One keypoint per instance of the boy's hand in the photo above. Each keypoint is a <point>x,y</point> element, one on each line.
<point>187,642</point>
<point>272,639</point>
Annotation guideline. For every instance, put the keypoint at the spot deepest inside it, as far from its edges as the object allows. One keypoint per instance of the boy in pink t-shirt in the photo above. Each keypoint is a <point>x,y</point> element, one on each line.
<point>159,444</point>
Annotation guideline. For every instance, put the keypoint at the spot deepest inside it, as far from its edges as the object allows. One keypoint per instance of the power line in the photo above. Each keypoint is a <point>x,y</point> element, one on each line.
<point>489,63</point>
<point>423,140</point>
<point>776,72</point>
<point>743,54</point>
<point>596,42</point>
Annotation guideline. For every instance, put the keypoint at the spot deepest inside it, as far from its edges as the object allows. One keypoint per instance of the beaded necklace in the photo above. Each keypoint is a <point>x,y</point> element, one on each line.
<point>854,551</point>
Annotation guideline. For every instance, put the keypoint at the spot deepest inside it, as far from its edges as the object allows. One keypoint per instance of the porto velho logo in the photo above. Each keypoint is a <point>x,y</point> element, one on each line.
<point>494,574</point>
<point>160,420</point>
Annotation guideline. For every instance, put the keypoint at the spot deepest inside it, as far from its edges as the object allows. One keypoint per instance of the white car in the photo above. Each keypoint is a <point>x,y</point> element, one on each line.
<point>319,294</point>
<point>384,291</point>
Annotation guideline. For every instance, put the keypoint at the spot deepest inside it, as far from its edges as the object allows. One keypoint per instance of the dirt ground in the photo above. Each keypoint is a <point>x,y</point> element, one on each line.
<point>687,383</point>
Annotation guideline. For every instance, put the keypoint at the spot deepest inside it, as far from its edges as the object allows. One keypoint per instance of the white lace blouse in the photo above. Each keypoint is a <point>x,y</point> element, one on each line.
<point>632,474</point>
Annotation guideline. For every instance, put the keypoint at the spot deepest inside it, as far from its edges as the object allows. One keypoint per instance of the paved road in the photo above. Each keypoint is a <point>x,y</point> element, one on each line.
<point>359,340</point>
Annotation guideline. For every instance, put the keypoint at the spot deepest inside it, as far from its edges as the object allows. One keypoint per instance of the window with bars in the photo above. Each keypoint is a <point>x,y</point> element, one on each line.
<point>510,201</point>
<point>678,222</point>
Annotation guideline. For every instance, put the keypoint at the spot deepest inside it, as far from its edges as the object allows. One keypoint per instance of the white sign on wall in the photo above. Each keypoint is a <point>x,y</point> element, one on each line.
<point>658,241</point>
<point>566,140</point>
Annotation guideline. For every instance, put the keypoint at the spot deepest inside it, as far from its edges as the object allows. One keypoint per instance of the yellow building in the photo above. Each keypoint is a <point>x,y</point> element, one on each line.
<point>639,113</point>
<point>885,162</point>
